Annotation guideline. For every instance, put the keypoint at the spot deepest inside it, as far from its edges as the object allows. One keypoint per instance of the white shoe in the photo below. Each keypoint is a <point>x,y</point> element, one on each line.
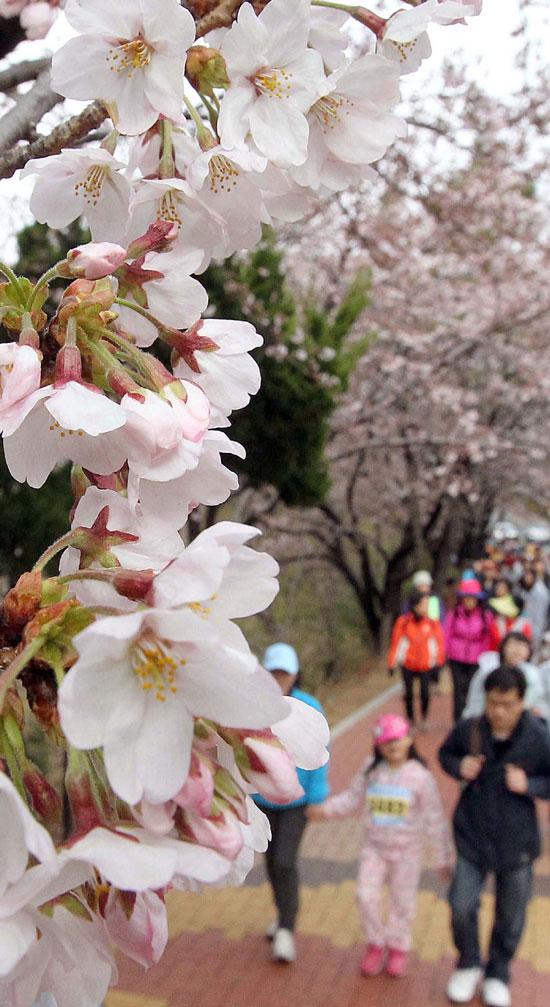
<point>496,993</point>
<point>463,984</point>
<point>284,949</point>
<point>271,930</point>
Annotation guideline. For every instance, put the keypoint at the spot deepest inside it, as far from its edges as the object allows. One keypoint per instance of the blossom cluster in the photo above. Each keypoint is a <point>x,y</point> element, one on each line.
<point>129,655</point>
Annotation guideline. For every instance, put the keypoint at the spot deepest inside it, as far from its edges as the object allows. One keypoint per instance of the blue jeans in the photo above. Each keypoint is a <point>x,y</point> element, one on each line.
<point>513,889</point>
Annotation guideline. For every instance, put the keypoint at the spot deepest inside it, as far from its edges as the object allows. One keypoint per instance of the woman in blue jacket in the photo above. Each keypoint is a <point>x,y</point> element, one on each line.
<point>288,821</point>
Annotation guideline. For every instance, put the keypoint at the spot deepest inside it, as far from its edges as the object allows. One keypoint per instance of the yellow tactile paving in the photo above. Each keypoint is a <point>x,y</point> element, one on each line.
<point>330,911</point>
<point>118,998</point>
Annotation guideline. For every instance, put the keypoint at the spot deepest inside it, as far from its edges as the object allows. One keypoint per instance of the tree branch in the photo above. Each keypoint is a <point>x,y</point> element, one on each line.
<point>220,17</point>
<point>62,136</point>
<point>28,110</point>
<point>28,69</point>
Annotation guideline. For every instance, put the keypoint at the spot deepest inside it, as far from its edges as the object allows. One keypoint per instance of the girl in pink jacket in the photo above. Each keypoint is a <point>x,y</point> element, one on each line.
<point>400,803</point>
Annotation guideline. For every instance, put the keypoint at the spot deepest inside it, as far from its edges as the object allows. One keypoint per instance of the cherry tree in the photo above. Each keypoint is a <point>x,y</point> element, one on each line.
<point>214,118</point>
<point>447,410</point>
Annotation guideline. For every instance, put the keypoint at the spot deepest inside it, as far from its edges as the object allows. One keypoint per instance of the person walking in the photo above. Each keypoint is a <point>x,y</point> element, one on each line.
<point>516,649</point>
<point>400,803</point>
<point>467,635</point>
<point>416,648</point>
<point>503,761</point>
<point>288,821</point>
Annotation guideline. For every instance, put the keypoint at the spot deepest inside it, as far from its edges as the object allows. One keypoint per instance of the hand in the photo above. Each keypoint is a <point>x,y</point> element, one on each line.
<point>516,779</point>
<point>471,767</point>
<point>314,813</point>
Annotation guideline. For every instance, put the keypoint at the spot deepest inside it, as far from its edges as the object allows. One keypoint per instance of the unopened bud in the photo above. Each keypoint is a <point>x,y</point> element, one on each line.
<point>159,237</point>
<point>95,260</point>
<point>134,584</point>
<point>23,601</point>
<point>68,364</point>
<point>205,68</point>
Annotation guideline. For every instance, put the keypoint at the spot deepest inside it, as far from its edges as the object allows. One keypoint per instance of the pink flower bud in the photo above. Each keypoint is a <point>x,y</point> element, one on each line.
<point>142,934</point>
<point>158,237</point>
<point>220,831</point>
<point>271,769</point>
<point>95,260</point>
<point>134,584</point>
<point>197,792</point>
<point>37,19</point>
<point>68,364</point>
<point>45,800</point>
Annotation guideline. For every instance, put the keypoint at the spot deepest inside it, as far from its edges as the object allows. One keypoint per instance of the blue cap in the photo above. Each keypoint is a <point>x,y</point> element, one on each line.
<point>281,657</point>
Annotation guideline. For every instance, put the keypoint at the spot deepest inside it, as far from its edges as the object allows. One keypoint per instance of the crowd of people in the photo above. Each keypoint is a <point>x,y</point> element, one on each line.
<point>489,629</point>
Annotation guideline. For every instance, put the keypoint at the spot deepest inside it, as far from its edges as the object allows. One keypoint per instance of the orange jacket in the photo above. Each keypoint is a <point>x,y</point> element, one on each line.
<point>416,644</point>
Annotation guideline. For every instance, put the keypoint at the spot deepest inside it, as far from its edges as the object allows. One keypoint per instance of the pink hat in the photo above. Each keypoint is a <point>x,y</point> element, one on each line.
<point>470,586</point>
<point>389,728</point>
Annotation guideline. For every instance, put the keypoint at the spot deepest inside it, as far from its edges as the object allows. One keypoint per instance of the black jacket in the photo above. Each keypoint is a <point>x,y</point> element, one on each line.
<point>494,828</point>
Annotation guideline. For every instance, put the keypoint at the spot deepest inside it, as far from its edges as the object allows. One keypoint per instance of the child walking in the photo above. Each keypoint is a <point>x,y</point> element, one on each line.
<point>400,803</point>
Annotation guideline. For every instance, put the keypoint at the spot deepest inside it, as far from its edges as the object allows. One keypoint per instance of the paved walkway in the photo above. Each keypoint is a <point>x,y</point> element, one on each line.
<point>217,955</point>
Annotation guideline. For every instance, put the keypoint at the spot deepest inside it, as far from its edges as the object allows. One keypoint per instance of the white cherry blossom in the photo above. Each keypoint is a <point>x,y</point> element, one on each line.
<point>405,40</point>
<point>139,681</point>
<point>350,121</point>
<point>65,421</point>
<point>225,180</point>
<point>228,374</point>
<point>169,293</point>
<point>208,482</point>
<point>274,79</point>
<point>131,54</point>
<point>174,200</point>
<point>75,182</point>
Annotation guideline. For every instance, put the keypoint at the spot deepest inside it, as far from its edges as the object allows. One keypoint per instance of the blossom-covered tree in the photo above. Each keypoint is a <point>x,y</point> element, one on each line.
<point>223,116</point>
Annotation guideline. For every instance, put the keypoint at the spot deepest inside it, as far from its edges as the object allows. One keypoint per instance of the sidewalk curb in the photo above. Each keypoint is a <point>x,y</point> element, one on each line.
<point>363,711</point>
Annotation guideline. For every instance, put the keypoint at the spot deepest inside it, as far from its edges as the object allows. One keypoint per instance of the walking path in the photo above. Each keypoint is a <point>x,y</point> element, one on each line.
<point>217,955</point>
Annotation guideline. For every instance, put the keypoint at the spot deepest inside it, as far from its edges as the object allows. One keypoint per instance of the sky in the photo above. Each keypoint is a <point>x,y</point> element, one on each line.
<point>487,43</point>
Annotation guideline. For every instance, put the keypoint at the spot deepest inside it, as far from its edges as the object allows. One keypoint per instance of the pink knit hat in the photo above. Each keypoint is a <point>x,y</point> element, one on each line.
<point>389,728</point>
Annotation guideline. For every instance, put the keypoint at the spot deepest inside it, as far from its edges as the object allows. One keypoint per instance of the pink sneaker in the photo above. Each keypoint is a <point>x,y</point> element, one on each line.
<point>397,963</point>
<point>373,960</point>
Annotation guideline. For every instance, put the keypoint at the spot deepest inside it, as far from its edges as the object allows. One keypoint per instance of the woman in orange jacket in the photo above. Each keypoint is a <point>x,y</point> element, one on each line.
<point>417,647</point>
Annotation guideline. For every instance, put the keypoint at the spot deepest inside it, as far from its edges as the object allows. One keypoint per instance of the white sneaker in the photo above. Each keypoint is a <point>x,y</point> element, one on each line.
<point>284,949</point>
<point>271,930</point>
<point>496,993</point>
<point>463,984</point>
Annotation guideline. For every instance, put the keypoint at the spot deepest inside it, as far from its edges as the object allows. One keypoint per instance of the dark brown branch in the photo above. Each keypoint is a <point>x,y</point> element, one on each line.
<point>28,69</point>
<point>62,136</point>
<point>220,17</point>
<point>28,111</point>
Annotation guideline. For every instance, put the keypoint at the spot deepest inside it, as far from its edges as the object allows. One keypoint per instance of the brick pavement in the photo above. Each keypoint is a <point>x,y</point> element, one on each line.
<point>217,955</point>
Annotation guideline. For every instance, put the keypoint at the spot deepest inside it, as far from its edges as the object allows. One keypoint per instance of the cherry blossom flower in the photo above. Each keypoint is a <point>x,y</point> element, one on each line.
<point>166,289</point>
<point>404,39</point>
<point>227,374</point>
<point>247,583</point>
<point>350,121</point>
<point>78,182</point>
<point>72,965</point>
<point>131,54</point>
<point>208,481</point>
<point>137,684</point>
<point>225,179</point>
<point>274,80</point>
<point>20,373</point>
<point>67,421</point>
<point>37,18</point>
<point>326,35</point>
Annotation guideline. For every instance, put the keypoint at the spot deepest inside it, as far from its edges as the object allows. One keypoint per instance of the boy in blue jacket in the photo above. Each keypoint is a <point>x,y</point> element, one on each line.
<point>288,821</point>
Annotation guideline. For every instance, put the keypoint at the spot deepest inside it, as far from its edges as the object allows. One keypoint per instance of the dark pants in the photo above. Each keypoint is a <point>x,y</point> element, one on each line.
<point>462,673</point>
<point>287,829</point>
<point>513,889</point>
<point>409,678</point>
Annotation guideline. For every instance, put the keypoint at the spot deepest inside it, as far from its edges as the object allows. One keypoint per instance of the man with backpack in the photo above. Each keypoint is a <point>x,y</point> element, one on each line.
<point>503,760</point>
